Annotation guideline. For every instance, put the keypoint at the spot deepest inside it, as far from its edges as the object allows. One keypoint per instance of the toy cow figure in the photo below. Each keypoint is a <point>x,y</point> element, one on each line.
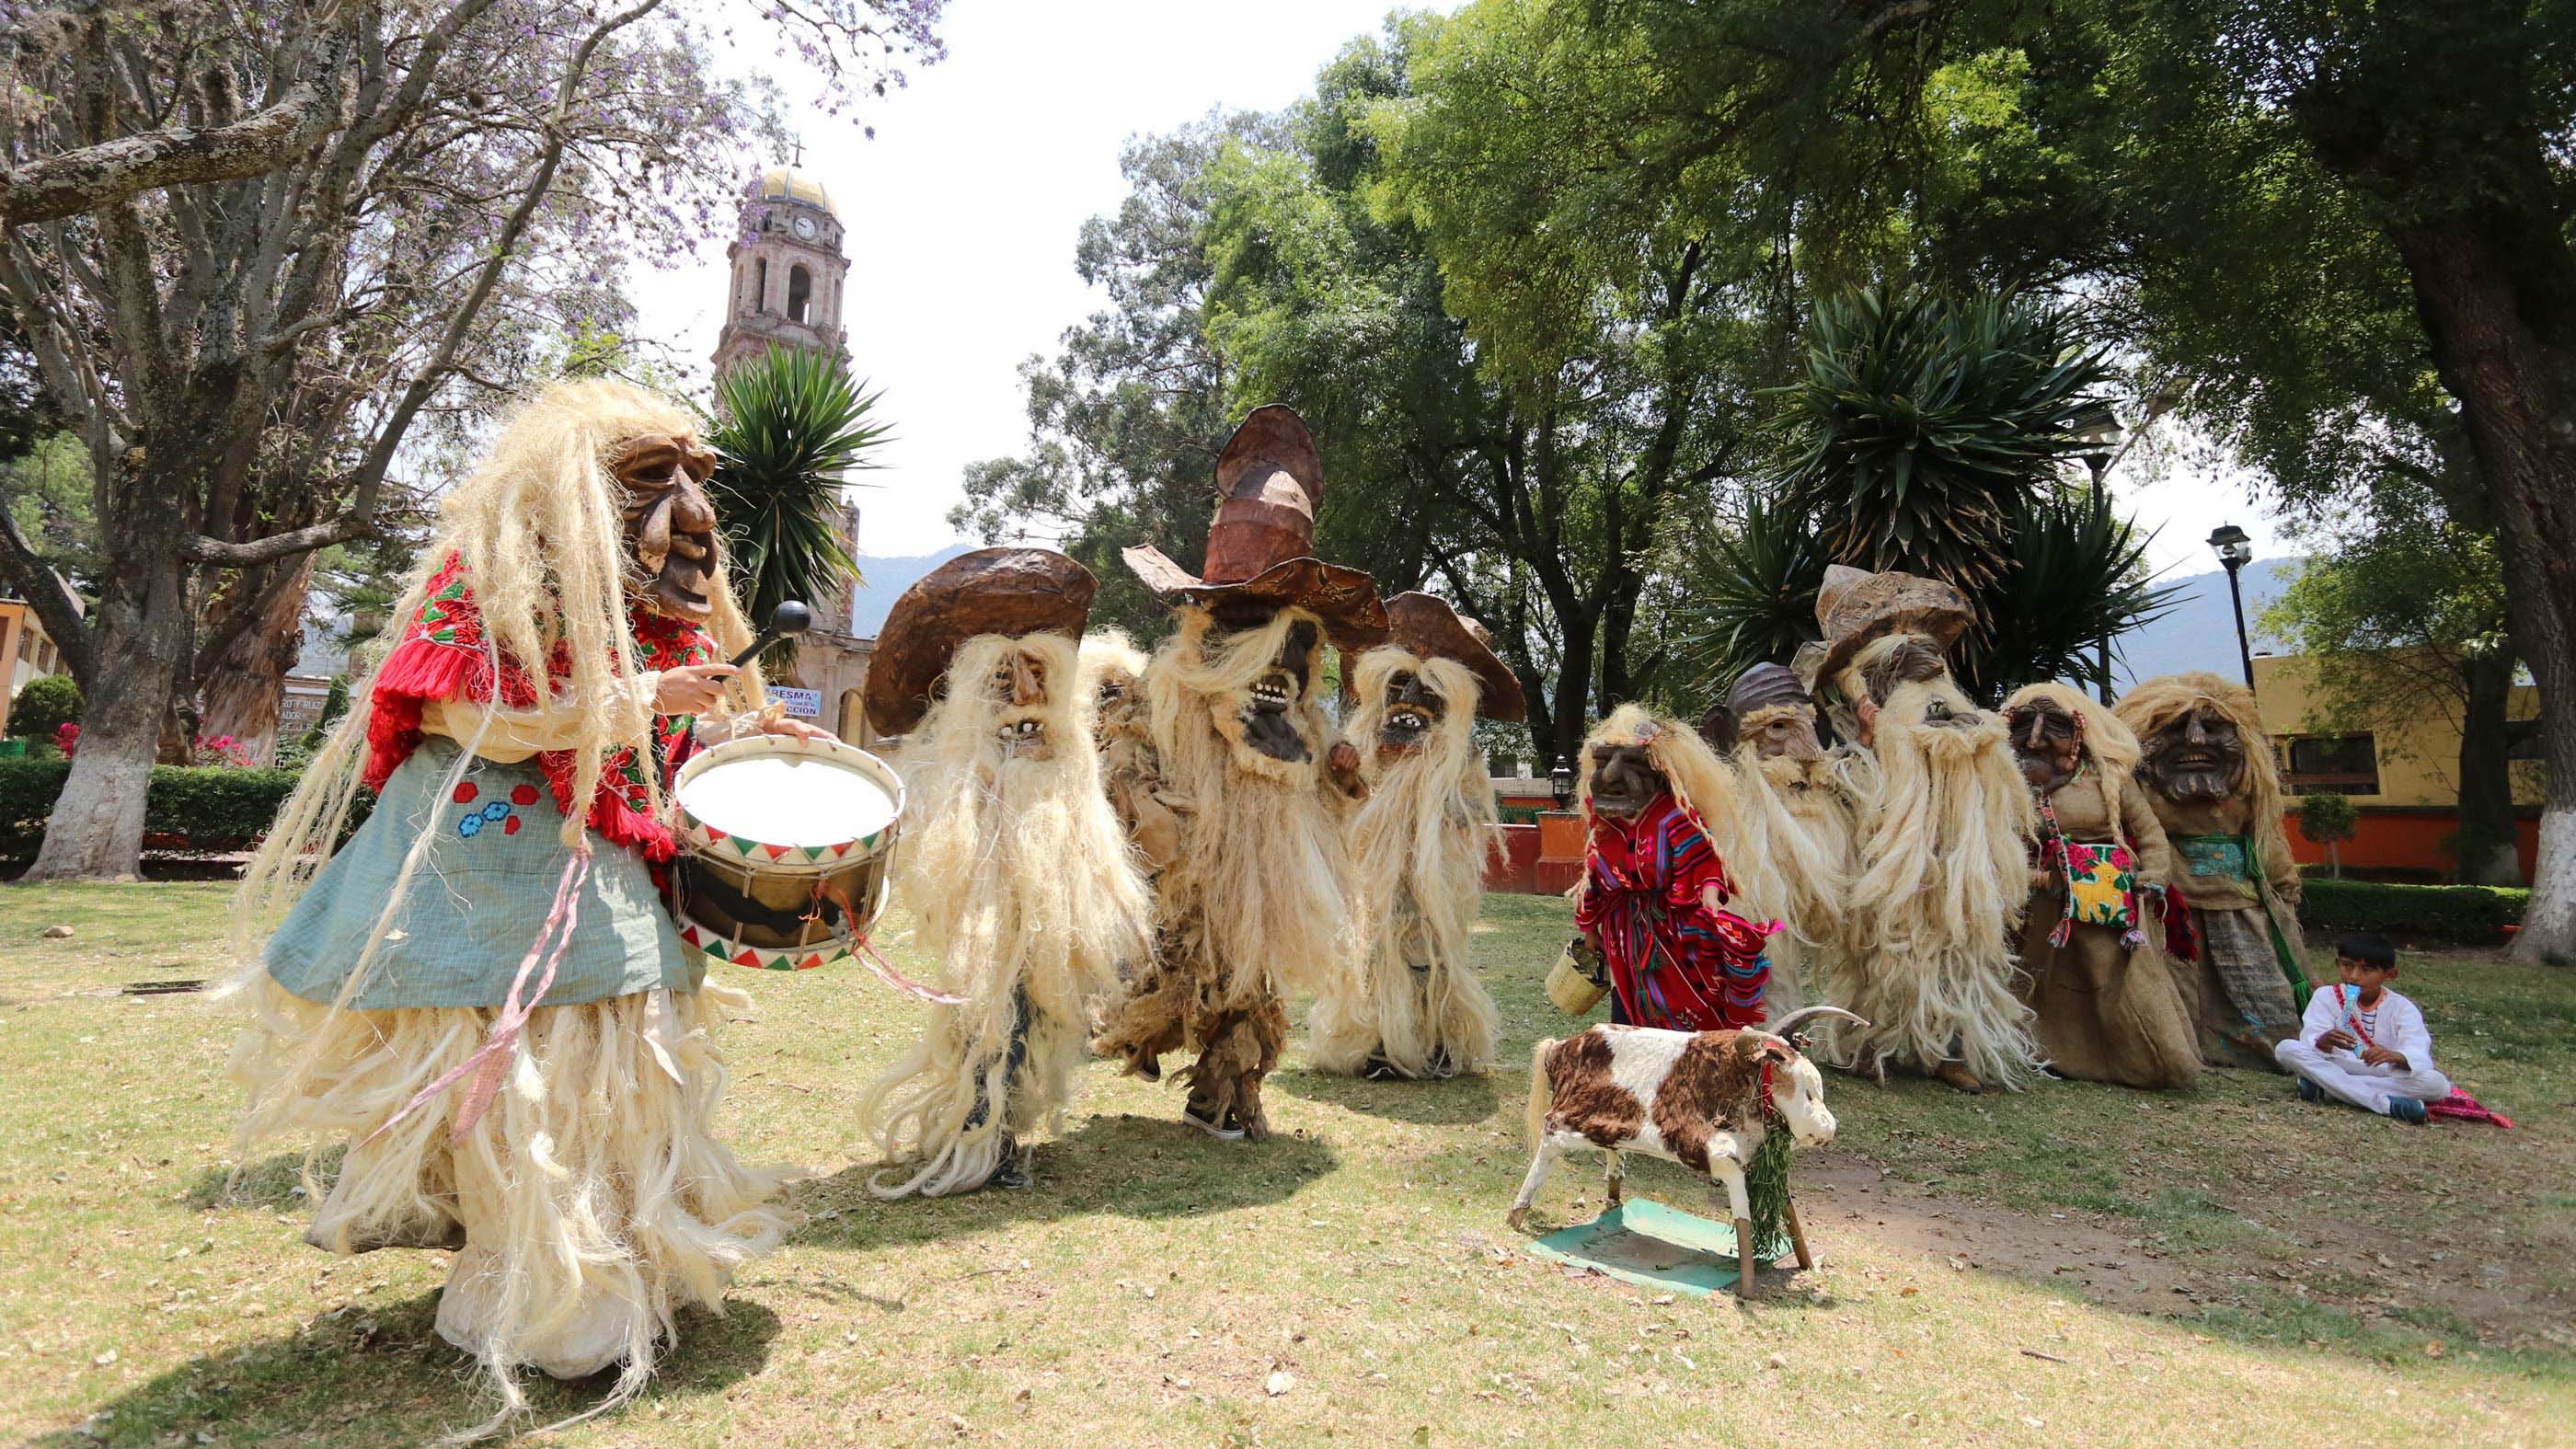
<point>1696,1098</point>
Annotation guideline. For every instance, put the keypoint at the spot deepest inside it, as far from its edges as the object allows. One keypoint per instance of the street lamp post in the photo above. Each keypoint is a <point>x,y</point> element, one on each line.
<point>2098,429</point>
<point>2235,550</point>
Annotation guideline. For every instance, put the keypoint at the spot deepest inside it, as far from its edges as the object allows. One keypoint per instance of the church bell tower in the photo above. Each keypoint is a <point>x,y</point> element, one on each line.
<point>788,271</point>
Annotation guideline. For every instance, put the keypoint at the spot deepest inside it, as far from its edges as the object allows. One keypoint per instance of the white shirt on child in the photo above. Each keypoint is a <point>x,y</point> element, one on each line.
<point>2393,1022</point>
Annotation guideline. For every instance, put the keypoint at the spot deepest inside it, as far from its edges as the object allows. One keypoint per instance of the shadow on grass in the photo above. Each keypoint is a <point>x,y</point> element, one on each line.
<point>1457,1102</point>
<point>1123,1166</point>
<point>355,1377</point>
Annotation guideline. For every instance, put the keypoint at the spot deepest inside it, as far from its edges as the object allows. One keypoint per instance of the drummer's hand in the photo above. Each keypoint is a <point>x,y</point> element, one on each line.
<point>795,729</point>
<point>691,688</point>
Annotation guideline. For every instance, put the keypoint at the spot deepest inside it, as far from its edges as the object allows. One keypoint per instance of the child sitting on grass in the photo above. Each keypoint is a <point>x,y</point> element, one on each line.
<point>2363,1043</point>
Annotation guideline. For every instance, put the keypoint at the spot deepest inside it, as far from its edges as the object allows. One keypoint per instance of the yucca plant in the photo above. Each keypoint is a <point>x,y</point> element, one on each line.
<point>1750,597</point>
<point>787,426</point>
<point>2073,576</point>
<point>1924,421</point>
<point>2077,578</point>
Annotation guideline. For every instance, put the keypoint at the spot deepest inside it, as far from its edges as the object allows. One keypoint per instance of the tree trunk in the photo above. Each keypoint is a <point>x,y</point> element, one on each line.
<point>2496,288</point>
<point>2486,847</point>
<point>243,694</point>
<point>139,640</point>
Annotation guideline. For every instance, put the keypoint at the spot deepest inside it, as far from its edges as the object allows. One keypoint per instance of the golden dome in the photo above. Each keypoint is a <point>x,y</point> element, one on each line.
<point>786,183</point>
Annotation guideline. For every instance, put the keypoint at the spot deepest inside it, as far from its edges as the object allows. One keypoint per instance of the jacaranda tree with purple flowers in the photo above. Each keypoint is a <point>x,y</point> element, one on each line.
<point>271,259</point>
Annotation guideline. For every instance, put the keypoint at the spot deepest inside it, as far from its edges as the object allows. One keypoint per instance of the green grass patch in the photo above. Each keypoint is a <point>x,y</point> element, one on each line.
<point>1147,1288</point>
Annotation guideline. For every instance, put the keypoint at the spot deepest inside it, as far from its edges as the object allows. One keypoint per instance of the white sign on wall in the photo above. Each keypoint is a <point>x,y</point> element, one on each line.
<point>802,703</point>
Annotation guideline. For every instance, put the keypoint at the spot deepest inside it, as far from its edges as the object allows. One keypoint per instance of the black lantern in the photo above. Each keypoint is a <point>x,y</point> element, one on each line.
<point>2235,551</point>
<point>1560,783</point>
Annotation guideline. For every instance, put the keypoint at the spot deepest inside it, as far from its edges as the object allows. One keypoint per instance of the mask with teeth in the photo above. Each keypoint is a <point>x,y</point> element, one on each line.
<point>669,524</point>
<point>1414,708</point>
<point>1271,716</point>
<point>1017,687</point>
<point>2199,756</point>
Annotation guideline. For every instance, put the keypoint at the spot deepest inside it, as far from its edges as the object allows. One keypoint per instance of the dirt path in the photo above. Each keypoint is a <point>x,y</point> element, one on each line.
<point>2073,1252</point>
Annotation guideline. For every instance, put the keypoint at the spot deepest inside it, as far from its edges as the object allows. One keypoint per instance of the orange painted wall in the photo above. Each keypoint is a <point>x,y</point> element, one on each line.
<point>2407,839</point>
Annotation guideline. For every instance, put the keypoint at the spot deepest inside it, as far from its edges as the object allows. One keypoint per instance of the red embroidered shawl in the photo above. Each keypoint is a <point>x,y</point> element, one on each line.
<point>442,655</point>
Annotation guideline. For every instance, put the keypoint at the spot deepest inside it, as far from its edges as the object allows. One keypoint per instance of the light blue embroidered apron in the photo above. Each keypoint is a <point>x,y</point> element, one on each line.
<point>477,901</point>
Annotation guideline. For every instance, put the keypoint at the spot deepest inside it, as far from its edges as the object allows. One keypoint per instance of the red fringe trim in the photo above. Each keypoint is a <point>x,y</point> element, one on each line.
<point>416,672</point>
<point>420,670</point>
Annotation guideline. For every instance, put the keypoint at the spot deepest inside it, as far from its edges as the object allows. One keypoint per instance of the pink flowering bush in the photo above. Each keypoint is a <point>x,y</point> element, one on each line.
<point>221,752</point>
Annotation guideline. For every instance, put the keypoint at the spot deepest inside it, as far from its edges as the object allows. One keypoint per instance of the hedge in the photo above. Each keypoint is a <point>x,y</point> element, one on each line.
<point>2472,915</point>
<point>188,810</point>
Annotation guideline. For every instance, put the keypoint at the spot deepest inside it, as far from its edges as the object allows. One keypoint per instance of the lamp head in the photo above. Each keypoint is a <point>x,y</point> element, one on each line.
<point>2235,548</point>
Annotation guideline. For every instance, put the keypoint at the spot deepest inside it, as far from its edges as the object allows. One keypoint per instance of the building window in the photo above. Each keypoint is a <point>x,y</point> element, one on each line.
<point>760,287</point>
<point>2331,764</point>
<point>800,290</point>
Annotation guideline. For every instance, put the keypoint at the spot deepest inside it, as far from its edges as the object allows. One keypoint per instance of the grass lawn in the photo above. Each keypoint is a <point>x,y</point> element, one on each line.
<point>2076,1266</point>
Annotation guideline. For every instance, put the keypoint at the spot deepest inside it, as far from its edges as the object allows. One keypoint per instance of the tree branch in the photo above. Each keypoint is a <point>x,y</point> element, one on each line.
<point>371,469</point>
<point>48,595</point>
<point>94,176</point>
<point>201,549</point>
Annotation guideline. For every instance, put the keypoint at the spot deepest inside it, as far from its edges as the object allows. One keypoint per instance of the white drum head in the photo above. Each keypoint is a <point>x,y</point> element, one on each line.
<point>788,803</point>
<point>788,800</point>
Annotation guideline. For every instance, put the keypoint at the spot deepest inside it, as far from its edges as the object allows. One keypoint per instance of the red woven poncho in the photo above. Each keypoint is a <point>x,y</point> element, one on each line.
<point>1673,962</point>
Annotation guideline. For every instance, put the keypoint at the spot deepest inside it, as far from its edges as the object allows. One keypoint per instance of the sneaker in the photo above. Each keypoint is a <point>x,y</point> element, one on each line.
<point>1221,1126</point>
<point>2409,1109</point>
<point>2310,1091</point>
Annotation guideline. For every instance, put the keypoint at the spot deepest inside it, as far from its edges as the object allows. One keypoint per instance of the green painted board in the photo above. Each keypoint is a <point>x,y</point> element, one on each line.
<point>1653,1246</point>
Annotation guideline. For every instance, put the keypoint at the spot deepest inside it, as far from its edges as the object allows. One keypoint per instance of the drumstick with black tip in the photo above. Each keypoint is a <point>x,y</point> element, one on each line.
<point>785,622</point>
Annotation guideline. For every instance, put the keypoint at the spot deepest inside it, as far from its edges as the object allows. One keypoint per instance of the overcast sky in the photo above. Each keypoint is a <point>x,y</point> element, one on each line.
<point>963,211</point>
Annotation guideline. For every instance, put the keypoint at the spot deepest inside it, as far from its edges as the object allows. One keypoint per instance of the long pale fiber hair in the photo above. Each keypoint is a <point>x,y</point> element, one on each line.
<point>1020,880</point>
<point>1263,873</point>
<point>2157,703</point>
<point>1942,882</point>
<point>1425,832</point>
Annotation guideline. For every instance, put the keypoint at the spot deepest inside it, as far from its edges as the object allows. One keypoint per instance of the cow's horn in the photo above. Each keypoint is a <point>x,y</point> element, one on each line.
<point>1802,1015</point>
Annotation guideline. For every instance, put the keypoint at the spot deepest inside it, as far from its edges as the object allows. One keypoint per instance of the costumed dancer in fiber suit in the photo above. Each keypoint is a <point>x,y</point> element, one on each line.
<point>1411,1005</point>
<point>1942,866</point>
<point>2094,970</point>
<point>2234,930</point>
<point>1256,894</point>
<point>482,992</point>
<point>1655,898</point>
<point>1014,866</point>
<point>1111,674</point>
<point>1798,814</point>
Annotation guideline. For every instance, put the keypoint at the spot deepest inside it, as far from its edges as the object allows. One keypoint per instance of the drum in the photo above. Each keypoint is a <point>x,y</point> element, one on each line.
<point>785,844</point>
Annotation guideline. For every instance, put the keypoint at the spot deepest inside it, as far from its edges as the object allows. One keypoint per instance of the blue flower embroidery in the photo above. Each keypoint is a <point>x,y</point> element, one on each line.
<point>496,810</point>
<point>471,824</point>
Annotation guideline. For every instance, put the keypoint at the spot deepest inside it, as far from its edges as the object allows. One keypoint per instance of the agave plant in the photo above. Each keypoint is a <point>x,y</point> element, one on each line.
<point>787,426</point>
<point>1925,421</point>
<point>1751,597</point>
<point>2077,579</point>
<point>2073,577</point>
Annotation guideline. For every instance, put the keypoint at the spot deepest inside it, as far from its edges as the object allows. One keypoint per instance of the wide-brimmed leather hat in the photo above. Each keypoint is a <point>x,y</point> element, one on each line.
<point>1269,483</point>
<point>1856,606</point>
<point>1006,591</point>
<point>1428,627</point>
